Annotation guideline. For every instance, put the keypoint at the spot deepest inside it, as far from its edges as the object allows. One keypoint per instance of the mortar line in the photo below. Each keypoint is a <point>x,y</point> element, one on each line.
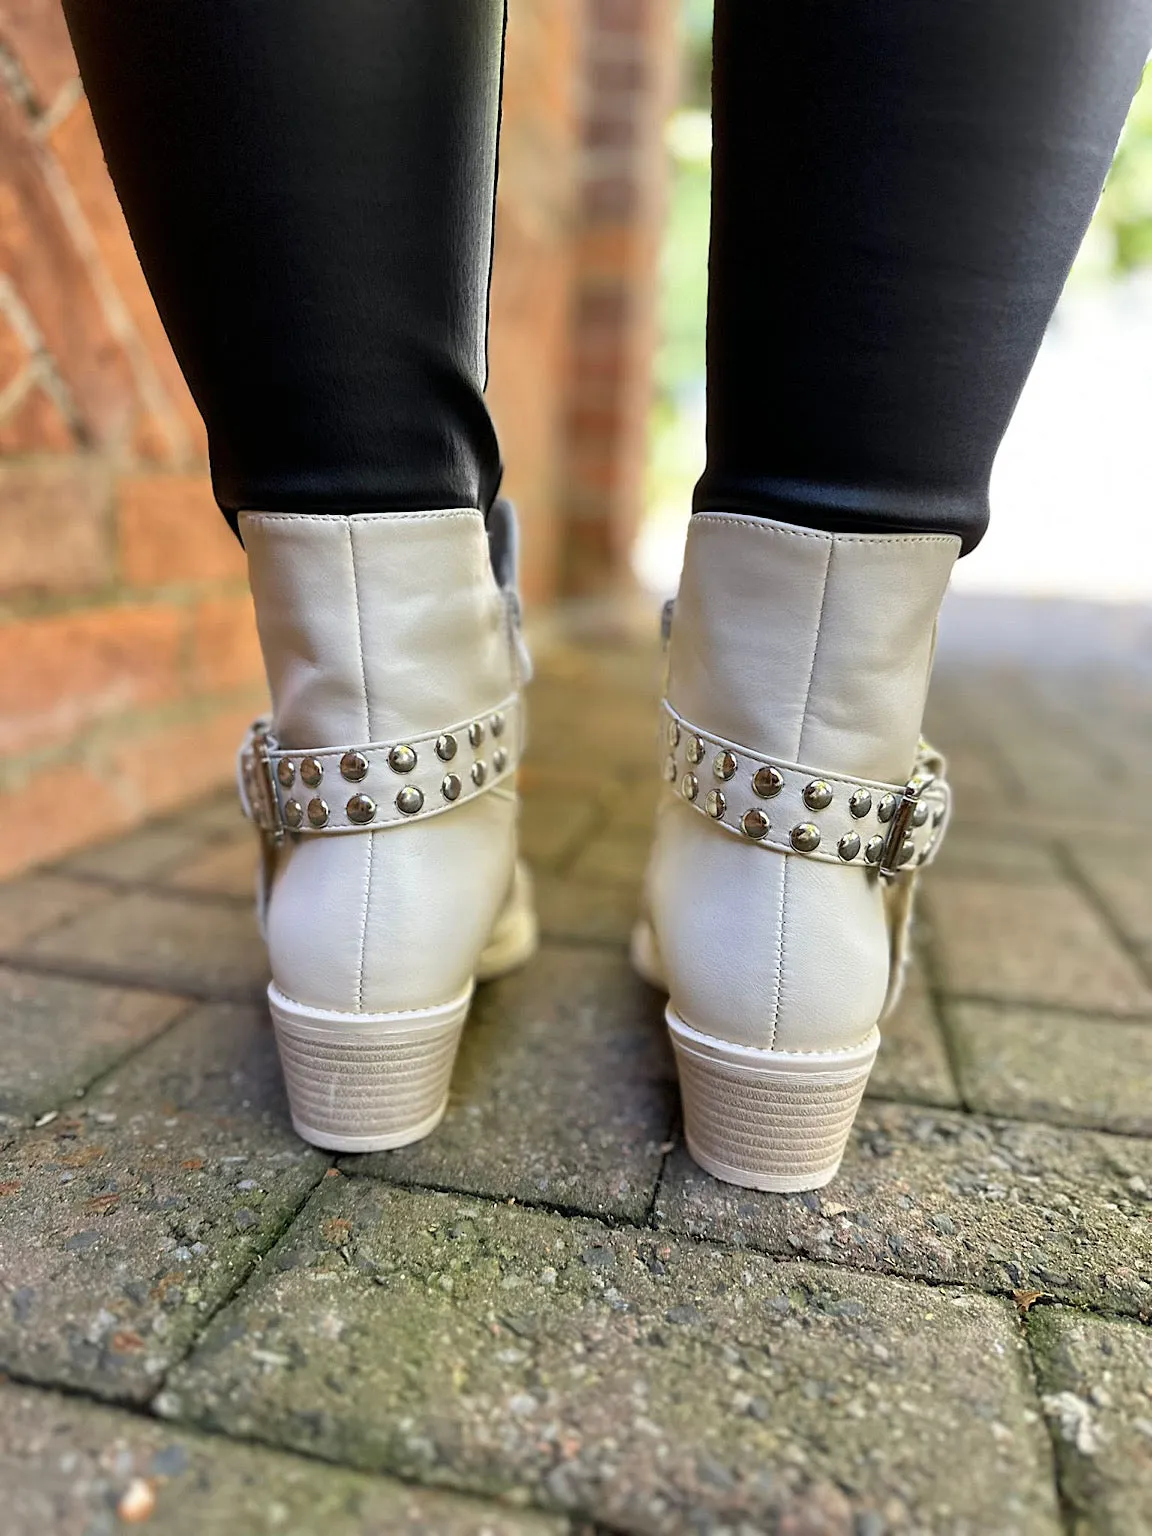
<point>73,970</point>
<point>1079,881</point>
<point>1064,1507</point>
<point>194,1430</point>
<point>616,1223</point>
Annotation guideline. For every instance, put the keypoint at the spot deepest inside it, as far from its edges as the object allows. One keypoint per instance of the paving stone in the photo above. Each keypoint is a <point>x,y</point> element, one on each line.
<point>57,1035</point>
<point>563,1092</point>
<point>1068,1068</point>
<point>1095,1376</point>
<point>1000,1205</point>
<point>622,731</point>
<point>225,869</point>
<point>1123,886</point>
<point>1032,944</point>
<point>577,912</point>
<point>141,855</point>
<point>658,1385</point>
<point>553,827</point>
<point>68,1466</point>
<point>913,1061</point>
<point>154,939</point>
<point>127,1221</point>
<point>29,906</point>
<point>971,849</point>
<point>617,856</point>
<point>217,816</point>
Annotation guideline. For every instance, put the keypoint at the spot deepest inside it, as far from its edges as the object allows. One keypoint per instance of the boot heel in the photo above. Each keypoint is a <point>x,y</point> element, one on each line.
<point>366,1082</point>
<point>771,1120</point>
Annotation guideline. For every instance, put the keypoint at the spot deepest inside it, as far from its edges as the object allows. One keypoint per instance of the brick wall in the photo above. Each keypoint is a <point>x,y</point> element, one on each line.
<point>628,70</point>
<point>132,665</point>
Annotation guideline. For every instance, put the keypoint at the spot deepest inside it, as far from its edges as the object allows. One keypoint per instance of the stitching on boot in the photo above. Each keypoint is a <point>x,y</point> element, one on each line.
<point>782,952</point>
<point>336,518</point>
<point>764,525</point>
<point>360,963</point>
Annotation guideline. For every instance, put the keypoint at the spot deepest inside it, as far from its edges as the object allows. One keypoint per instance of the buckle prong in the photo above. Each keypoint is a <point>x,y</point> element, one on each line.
<point>896,850</point>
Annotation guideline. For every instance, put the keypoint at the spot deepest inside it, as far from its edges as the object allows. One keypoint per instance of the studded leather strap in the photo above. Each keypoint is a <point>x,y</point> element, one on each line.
<point>360,788</point>
<point>793,809</point>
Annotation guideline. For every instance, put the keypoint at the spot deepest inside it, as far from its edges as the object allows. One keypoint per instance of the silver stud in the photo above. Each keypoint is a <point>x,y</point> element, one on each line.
<point>409,800</point>
<point>497,724</point>
<point>860,802</point>
<point>818,795</point>
<point>671,770</point>
<point>695,750</point>
<point>754,824</point>
<point>673,734</point>
<point>499,760</point>
<point>937,816</point>
<point>446,747</point>
<point>286,772</point>
<point>873,848</point>
<point>805,838</point>
<point>402,759</point>
<point>907,849</point>
<point>451,786</point>
<point>353,767</point>
<point>724,766</point>
<point>293,812</point>
<point>689,786</point>
<point>716,804</point>
<point>848,846</point>
<point>887,808</point>
<point>361,809</point>
<point>479,771</point>
<point>920,814</point>
<point>317,812</point>
<point>311,772</point>
<point>475,733</point>
<point>767,782</point>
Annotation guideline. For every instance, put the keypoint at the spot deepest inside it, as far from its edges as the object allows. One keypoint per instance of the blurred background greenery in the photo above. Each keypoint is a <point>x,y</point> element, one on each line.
<point>1092,385</point>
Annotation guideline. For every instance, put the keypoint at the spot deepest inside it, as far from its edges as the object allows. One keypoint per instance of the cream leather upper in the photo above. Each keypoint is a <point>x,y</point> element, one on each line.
<point>382,627</point>
<point>816,648</point>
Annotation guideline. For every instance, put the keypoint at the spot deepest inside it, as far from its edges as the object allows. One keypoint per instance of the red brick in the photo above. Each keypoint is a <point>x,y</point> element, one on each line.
<point>144,769</point>
<point>33,836</point>
<point>55,527</point>
<point>40,257</point>
<point>14,353</point>
<point>225,646</point>
<point>619,15</point>
<point>166,765</point>
<point>171,530</point>
<point>33,31</point>
<point>79,668</point>
<point>76,146</point>
<point>36,425</point>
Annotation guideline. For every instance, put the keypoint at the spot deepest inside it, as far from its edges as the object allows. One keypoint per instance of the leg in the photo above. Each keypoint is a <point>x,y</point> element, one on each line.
<point>900,188</point>
<point>310,189</point>
<point>898,193</point>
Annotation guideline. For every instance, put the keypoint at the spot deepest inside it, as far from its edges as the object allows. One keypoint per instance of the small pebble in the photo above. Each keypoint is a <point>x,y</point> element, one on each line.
<point>137,1503</point>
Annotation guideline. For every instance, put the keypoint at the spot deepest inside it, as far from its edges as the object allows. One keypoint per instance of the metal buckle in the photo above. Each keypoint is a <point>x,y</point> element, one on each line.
<point>260,785</point>
<point>898,846</point>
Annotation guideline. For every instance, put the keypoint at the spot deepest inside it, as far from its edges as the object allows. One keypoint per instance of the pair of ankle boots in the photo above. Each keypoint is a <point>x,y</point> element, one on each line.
<point>799,804</point>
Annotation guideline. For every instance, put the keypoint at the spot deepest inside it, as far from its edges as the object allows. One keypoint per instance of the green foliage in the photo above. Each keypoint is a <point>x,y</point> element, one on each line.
<point>1125,212</point>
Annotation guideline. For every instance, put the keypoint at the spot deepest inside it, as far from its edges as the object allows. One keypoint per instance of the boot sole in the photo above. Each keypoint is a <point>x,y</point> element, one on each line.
<point>772,1120</point>
<point>370,1082</point>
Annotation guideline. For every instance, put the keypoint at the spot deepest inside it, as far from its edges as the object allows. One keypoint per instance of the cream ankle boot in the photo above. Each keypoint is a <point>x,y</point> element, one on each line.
<point>383,787</point>
<point>800,803</point>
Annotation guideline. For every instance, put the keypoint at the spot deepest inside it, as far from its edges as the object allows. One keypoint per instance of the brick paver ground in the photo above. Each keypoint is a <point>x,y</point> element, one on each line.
<point>546,1319</point>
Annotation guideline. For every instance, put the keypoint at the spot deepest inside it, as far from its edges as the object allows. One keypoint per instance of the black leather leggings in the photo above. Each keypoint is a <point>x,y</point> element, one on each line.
<point>899,189</point>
